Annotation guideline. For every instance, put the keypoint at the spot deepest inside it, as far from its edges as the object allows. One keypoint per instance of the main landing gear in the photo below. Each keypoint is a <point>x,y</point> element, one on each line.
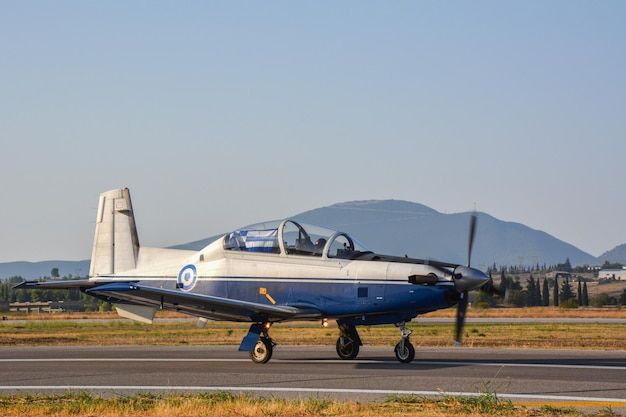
<point>258,342</point>
<point>348,343</point>
<point>263,349</point>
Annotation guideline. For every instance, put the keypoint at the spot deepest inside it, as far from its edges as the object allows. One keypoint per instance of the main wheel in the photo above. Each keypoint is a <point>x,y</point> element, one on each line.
<point>406,353</point>
<point>262,351</point>
<point>347,348</point>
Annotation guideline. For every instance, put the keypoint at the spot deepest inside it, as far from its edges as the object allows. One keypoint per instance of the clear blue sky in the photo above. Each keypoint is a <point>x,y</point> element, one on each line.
<point>221,114</point>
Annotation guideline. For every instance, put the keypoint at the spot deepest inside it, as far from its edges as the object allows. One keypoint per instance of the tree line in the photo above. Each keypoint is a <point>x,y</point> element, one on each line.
<point>74,297</point>
<point>563,267</point>
<point>558,292</point>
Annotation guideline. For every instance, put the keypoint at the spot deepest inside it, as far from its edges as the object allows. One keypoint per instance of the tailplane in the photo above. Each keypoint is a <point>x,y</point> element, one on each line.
<point>115,244</point>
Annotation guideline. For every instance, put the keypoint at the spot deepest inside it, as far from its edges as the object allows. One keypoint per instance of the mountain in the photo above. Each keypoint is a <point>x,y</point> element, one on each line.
<point>396,227</point>
<point>401,227</point>
<point>617,254</point>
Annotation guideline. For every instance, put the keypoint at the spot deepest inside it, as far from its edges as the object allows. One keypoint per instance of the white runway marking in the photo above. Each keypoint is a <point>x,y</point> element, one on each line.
<point>303,390</point>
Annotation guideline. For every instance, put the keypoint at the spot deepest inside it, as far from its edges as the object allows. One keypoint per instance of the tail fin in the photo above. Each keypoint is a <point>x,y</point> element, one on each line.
<point>116,244</point>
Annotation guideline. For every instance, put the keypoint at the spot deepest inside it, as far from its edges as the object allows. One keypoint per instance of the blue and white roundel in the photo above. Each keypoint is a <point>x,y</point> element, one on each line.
<point>187,277</point>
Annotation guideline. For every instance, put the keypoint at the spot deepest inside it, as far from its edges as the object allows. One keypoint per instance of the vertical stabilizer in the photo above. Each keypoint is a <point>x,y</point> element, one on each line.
<point>115,245</point>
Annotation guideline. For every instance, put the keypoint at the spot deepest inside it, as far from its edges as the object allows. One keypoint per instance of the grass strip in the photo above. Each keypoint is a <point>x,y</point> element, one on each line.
<point>243,405</point>
<point>599,336</point>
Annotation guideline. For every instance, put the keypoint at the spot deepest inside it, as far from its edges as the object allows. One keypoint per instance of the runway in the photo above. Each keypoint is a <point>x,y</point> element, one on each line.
<point>521,375</point>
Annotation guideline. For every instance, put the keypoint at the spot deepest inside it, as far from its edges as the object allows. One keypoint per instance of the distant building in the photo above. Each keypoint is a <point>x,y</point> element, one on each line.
<point>32,307</point>
<point>617,274</point>
<point>46,306</point>
<point>559,275</point>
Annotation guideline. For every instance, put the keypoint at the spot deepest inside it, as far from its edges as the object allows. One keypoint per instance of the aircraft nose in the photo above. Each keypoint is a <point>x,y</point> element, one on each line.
<point>467,279</point>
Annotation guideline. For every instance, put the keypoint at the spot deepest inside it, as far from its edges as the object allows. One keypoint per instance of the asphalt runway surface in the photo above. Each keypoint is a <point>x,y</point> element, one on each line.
<point>580,378</point>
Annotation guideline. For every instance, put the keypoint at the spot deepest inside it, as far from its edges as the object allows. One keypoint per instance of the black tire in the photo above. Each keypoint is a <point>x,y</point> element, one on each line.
<point>262,351</point>
<point>349,350</point>
<point>405,355</point>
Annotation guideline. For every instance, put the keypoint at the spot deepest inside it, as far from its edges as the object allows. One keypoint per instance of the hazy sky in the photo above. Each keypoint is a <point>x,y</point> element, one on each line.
<point>221,114</point>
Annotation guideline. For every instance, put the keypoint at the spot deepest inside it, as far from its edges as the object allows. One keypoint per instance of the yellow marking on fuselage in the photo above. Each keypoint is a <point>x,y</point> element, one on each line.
<point>269,297</point>
<point>263,291</point>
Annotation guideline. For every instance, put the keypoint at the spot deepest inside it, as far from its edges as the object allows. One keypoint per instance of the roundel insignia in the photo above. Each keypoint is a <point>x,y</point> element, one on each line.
<point>187,278</point>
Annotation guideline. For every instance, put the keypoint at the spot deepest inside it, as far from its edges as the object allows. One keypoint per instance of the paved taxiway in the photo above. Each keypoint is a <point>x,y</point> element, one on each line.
<point>516,374</point>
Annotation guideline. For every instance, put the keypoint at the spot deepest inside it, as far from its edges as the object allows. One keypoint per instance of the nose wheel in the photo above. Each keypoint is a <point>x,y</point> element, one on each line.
<point>404,350</point>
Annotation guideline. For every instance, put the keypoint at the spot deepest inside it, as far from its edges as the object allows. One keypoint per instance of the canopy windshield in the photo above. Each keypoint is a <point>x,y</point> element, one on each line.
<point>294,238</point>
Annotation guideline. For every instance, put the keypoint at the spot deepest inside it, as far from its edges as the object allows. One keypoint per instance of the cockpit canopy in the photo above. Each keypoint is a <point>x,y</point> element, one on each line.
<point>293,238</point>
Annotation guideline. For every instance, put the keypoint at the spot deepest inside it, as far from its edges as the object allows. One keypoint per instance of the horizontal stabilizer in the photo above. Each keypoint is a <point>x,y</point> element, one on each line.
<point>58,284</point>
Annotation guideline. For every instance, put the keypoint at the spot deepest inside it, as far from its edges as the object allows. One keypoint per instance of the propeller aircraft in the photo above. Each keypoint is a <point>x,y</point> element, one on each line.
<point>270,273</point>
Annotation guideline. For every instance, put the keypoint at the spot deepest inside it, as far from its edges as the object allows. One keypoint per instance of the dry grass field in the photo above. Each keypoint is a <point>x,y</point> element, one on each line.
<point>226,405</point>
<point>108,329</point>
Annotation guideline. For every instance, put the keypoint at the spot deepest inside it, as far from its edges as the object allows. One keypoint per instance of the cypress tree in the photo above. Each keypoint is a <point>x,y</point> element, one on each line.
<point>546,293</point>
<point>555,299</point>
<point>566,291</point>
<point>504,282</point>
<point>531,290</point>
<point>585,295</point>
<point>580,293</point>
<point>537,294</point>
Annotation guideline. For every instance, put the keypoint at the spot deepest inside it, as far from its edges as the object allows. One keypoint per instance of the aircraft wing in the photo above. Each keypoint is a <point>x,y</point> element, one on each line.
<point>200,305</point>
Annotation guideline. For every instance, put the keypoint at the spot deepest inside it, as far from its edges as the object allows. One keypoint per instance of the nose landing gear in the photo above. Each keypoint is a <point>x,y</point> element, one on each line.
<point>404,350</point>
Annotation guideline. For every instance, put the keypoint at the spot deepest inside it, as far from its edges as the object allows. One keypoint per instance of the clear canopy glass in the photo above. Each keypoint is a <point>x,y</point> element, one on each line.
<point>294,238</point>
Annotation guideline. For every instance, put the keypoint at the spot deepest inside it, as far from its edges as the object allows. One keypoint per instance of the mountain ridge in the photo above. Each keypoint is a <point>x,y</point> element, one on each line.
<point>400,231</point>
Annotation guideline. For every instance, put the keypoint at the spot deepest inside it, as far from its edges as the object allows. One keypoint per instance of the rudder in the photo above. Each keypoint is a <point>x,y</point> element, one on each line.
<point>116,244</point>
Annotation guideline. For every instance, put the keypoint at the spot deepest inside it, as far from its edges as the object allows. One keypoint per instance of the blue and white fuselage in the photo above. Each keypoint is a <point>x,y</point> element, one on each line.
<point>282,266</point>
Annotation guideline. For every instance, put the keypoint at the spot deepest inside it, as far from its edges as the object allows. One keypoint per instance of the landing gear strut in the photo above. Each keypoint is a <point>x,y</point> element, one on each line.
<point>404,350</point>
<point>348,342</point>
<point>264,347</point>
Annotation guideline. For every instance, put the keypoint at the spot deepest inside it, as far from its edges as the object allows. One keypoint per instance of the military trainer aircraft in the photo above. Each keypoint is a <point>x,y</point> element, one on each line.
<point>270,273</point>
